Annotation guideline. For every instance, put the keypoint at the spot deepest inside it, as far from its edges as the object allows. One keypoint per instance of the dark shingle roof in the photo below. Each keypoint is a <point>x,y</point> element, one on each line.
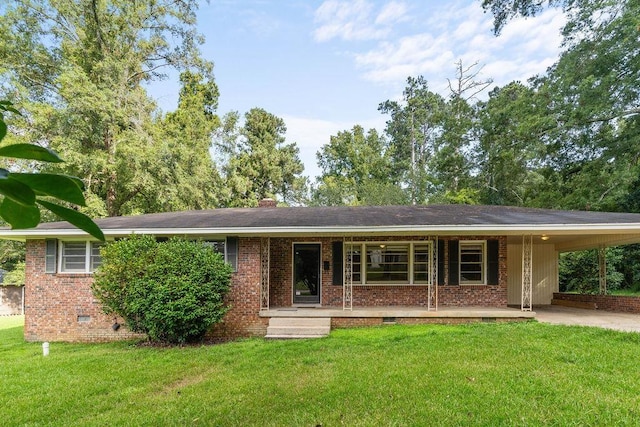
<point>359,216</point>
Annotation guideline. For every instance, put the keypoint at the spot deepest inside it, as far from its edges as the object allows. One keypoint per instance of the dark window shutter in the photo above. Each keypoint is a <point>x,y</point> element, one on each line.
<point>440,262</point>
<point>50,258</point>
<point>231,249</point>
<point>492,261</point>
<point>454,273</point>
<point>337,263</point>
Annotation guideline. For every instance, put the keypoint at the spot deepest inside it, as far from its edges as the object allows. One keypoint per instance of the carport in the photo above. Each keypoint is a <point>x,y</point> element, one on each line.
<point>559,315</point>
<point>533,258</point>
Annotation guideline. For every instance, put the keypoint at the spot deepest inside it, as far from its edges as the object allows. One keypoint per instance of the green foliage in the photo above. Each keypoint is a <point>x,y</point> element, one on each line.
<point>579,271</point>
<point>259,162</point>
<point>431,138</point>
<point>184,170</point>
<point>80,70</point>
<point>15,276</point>
<point>11,253</point>
<point>172,291</point>
<point>23,192</point>
<point>414,128</point>
<point>505,10</point>
<point>356,170</point>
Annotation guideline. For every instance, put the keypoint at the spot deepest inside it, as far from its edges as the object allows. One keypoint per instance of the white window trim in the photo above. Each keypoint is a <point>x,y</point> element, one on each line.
<point>482,282</point>
<point>87,256</point>
<point>411,261</point>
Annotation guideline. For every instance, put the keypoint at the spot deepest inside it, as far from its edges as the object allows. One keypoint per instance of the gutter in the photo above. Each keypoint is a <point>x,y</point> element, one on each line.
<point>442,230</point>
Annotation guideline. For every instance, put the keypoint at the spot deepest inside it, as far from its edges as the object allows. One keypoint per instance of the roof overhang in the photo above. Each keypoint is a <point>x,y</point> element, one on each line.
<point>564,238</point>
<point>565,230</point>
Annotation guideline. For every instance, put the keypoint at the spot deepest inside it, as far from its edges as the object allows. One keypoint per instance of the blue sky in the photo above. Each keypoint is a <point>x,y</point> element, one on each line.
<point>324,66</point>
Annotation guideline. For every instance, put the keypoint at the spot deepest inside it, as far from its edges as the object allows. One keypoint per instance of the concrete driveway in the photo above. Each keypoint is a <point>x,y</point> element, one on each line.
<point>560,315</point>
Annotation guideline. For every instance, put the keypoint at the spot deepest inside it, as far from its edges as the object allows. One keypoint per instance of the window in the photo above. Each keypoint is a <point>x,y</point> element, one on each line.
<point>387,263</point>
<point>390,263</point>
<point>472,262</point>
<point>216,245</point>
<point>227,247</point>
<point>421,263</point>
<point>79,257</point>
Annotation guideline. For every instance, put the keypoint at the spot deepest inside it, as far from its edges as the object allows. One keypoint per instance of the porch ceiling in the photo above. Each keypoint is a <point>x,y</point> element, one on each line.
<point>579,242</point>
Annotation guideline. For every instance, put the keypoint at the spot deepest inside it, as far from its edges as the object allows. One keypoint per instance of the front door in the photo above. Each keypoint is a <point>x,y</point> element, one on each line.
<point>306,273</point>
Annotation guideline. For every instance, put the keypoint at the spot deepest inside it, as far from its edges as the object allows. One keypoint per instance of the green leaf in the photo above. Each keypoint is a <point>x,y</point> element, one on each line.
<point>76,218</point>
<point>8,106</point>
<point>62,187</point>
<point>17,191</point>
<point>31,152</point>
<point>19,216</point>
<point>3,129</point>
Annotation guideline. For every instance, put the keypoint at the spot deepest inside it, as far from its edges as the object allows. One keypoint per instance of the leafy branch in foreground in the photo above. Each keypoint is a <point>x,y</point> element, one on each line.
<point>23,192</point>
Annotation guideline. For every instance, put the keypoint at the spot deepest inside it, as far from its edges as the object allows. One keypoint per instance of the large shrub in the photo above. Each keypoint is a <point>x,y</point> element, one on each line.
<point>173,291</point>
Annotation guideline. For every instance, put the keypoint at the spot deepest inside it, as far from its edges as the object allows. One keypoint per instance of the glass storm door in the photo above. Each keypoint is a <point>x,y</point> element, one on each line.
<point>306,273</point>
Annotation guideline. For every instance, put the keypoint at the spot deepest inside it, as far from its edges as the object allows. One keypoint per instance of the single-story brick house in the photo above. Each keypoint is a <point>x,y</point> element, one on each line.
<point>354,265</point>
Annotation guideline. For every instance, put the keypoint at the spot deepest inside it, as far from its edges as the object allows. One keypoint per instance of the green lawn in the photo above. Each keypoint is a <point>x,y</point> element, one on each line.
<point>11,321</point>
<point>482,374</point>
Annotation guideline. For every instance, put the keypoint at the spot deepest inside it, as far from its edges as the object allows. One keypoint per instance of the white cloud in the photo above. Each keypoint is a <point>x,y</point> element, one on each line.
<point>391,13</point>
<point>356,20</point>
<point>525,48</point>
<point>409,56</point>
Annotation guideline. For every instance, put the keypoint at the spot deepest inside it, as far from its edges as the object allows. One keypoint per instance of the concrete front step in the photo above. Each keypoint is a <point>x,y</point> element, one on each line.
<point>298,327</point>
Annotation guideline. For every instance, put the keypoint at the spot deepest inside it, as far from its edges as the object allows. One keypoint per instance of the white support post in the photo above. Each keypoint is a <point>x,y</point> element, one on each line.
<point>527,273</point>
<point>602,269</point>
<point>433,284</point>
<point>265,244</point>
<point>347,288</point>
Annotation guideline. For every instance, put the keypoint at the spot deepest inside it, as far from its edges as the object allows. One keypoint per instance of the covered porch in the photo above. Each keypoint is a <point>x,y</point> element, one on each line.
<point>305,322</point>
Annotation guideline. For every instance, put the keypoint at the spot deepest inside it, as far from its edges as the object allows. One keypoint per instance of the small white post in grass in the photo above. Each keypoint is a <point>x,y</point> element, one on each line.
<point>45,348</point>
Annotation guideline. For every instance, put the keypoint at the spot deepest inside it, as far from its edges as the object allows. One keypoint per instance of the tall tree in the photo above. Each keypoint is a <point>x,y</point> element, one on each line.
<point>260,162</point>
<point>593,100</point>
<point>356,170</point>
<point>509,155</point>
<point>413,129</point>
<point>78,68</point>
<point>184,159</point>
<point>453,156</point>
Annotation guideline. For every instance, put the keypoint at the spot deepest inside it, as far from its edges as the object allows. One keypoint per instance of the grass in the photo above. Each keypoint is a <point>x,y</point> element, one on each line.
<point>481,374</point>
<point>627,292</point>
<point>11,321</point>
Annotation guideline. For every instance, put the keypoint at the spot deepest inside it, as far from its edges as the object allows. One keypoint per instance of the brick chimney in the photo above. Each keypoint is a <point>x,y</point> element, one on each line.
<point>267,202</point>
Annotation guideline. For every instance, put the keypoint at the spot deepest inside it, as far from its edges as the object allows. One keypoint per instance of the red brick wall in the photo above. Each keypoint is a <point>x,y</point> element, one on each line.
<point>53,303</point>
<point>244,297</point>
<point>280,291</point>
<point>619,303</point>
<point>281,275</point>
<point>479,295</point>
